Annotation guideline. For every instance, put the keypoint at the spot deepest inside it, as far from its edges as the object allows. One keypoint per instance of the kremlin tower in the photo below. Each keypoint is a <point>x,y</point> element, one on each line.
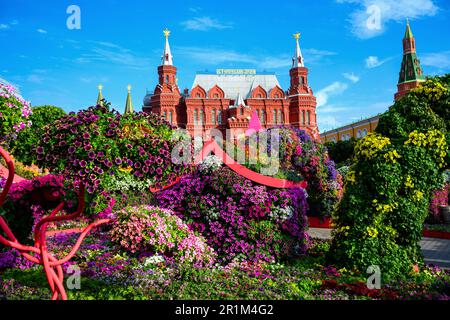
<point>411,74</point>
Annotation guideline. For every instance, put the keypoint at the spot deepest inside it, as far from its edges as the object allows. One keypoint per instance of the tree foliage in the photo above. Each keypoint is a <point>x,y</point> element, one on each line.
<point>387,190</point>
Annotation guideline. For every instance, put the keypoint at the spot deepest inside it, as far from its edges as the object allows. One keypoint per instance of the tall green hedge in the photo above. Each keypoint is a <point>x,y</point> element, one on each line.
<point>24,147</point>
<point>387,190</point>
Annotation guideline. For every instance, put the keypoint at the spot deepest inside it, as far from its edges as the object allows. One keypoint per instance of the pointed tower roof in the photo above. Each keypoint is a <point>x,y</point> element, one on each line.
<point>100,95</point>
<point>129,103</point>
<point>167,59</point>
<point>408,32</point>
<point>239,102</point>
<point>297,60</point>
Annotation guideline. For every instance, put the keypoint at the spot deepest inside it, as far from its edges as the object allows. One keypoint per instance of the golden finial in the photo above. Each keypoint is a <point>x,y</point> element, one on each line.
<point>129,88</point>
<point>166,33</point>
<point>296,35</point>
<point>100,87</point>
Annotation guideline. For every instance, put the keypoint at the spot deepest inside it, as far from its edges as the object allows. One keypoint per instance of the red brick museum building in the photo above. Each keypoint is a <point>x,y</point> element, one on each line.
<point>228,98</point>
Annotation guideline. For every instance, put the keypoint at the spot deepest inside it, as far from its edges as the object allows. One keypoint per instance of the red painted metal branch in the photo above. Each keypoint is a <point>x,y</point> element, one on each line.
<point>52,266</point>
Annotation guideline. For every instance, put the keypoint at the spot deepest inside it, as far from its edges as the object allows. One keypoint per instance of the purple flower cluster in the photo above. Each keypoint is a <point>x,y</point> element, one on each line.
<point>229,210</point>
<point>93,144</point>
<point>302,158</point>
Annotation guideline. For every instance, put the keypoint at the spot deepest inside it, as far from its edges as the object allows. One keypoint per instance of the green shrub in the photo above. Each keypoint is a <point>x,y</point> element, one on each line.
<point>24,147</point>
<point>387,190</point>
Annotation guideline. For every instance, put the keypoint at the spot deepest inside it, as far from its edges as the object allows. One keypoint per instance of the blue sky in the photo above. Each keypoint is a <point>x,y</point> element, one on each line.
<point>353,68</point>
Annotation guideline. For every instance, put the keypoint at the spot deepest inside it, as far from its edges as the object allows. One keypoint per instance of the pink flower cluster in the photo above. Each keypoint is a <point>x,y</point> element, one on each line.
<point>157,230</point>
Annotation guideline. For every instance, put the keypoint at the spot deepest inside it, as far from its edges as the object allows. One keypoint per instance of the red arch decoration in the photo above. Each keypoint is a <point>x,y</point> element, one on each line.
<point>212,146</point>
<point>39,254</point>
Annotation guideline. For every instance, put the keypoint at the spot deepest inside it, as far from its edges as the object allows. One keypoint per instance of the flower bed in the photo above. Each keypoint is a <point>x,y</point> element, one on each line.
<point>240,219</point>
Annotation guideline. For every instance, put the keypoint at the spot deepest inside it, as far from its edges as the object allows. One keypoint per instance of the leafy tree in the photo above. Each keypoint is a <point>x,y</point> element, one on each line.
<point>341,152</point>
<point>24,147</point>
<point>387,189</point>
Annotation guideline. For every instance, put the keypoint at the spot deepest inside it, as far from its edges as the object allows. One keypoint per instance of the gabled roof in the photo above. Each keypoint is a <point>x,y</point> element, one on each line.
<point>234,85</point>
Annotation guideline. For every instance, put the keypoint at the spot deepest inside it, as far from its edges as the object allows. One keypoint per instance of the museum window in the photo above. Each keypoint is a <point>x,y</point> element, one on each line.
<point>274,116</point>
<point>308,117</point>
<point>170,116</point>
<point>195,116</point>
<point>219,117</point>
<point>213,116</point>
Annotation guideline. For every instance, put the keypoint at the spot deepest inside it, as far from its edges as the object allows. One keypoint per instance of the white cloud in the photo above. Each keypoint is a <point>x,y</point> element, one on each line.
<point>4,26</point>
<point>41,31</point>
<point>34,78</point>
<point>351,76</point>
<point>204,24</point>
<point>331,108</point>
<point>195,9</point>
<point>314,55</point>
<point>440,60</point>
<point>374,62</point>
<point>364,20</point>
<point>326,123</point>
<point>333,89</point>
<point>217,56</point>
<point>112,53</point>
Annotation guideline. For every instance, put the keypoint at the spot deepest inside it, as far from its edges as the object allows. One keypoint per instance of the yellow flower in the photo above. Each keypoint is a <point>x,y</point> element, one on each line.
<point>409,183</point>
<point>127,169</point>
<point>371,232</point>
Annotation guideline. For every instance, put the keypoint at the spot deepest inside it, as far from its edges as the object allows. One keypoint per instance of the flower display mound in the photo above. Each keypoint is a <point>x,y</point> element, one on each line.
<point>239,219</point>
<point>92,146</point>
<point>14,113</point>
<point>388,188</point>
<point>302,158</point>
<point>29,200</point>
<point>161,233</point>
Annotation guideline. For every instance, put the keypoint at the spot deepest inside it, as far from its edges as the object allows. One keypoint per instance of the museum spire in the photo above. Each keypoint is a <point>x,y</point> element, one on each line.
<point>297,60</point>
<point>167,59</point>
<point>100,95</point>
<point>129,104</point>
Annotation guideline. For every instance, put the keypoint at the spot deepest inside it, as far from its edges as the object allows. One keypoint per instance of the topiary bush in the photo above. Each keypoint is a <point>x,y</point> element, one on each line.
<point>160,232</point>
<point>379,220</point>
<point>239,219</point>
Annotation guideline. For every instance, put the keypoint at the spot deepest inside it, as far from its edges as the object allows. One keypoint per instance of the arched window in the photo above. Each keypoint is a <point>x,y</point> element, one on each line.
<point>213,116</point>
<point>201,116</point>
<point>219,117</point>
<point>242,111</point>
<point>263,116</point>
<point>274,116</point>
<point>197,95</point>
<point>216,96</point>
<point>364,133</point>
<point>195,116</point>
<point>280,116</point>
<point>276,96</point>
<point>308,117</point>
<point>259,96</point>
<point>170,116</point>
<point>358,134</point>
<point>167,78</point>
<point>303,117</point>
<point>164,115</point>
